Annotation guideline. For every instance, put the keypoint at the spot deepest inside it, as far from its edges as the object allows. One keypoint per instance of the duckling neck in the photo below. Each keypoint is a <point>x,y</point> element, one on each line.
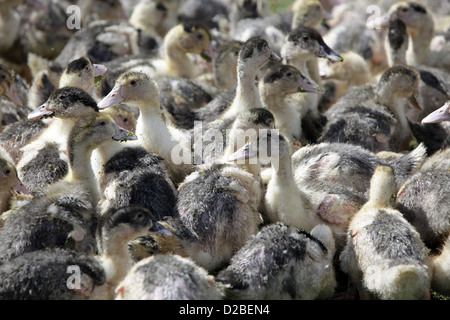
<point>116,260</point>
<point>5,197</point>
<point>420,42</point>
<point>247,95</point>
<point>178,62</point>
<point>153,132</point>
<point>271,100</point>
<point>80,169</point>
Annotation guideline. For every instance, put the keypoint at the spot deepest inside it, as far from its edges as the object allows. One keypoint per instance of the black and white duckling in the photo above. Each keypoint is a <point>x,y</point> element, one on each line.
<point>420,26</point>
<point>378,102</point>
<point>210,13</point>
<point>282,262</point>
<point>302,45</point>
<point>50,275</point>
<point>434,83</point>
<point>80,73</point>
<point>217,212</point>
<point>423,200</point>
<point>225,62</point>
<point>62,215</point>
<point>149,16</point>
<point>45,159</point>
<point>155,135</point>
<point>114,230</point>
<point>277,83</point>
<point>10,183</point>
<point>168,277</point>
<point>385,257</point>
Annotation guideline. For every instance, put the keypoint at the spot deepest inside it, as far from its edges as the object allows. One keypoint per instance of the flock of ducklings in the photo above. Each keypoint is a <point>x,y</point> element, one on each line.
<point>112,189</point>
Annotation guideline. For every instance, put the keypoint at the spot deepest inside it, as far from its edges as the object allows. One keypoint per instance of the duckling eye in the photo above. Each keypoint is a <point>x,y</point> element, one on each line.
<point>306,39</point>
<point>7,171</point>
<point>289,74</point>
<point>125,120</point>
<point>2,77</point>
<point>62,97</point>
<point>199,36</point>
<point>404,9</point>
<point>102,123</point>
<point>133,82</point>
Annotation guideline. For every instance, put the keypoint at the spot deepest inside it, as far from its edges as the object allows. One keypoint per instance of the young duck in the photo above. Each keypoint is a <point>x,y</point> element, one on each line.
<point>303,44</point>
<point>10,183</point>
<point>154,25</point>
<point>386,98</point>
<point>62,214</point>
<point>10,99</point>
<point>114,230</point>
<point>434,83</point>
<point>441,272</point>
<point>423,201</point>
<point>168,277</point>
<point>225,62</point>
<point>420,26</point>
<point>138,89</point>
<point>45,159</point>
<point>379,266</point>
<point>79,73</point>
<point>277,83</point>
<point>73,276</point>
<point>282,262</point>
<point>179,43</point>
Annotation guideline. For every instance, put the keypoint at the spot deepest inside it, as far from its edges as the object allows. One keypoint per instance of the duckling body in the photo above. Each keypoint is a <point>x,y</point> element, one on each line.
<point>45,159</point>
<point>441,271</point>
<point>168,277</point>
<point>387,269</point>
<point>27,277</point>
<point>114,230</point>
<point>282,262</point>
<point>397,83</point>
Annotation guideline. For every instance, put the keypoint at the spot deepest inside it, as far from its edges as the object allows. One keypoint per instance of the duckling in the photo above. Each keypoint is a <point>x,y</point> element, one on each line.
<point>138,89</point>
<point>114,230</point>
<point>420,26</point>
<point>168,277</point>
<point>94,10</point>
<point>277,83</point>
<point>10,100</point>
<point>208,13</point>
<point>428,217</point>
<point>10,183</point>
<point>45,159</point>
<point>153,26</point>
<point>80,73</point>
<point>28,277</point>
<point>384,256</point>
<point>434,83</point>
<point>387,97</point>
<point>62,214</point>
<point>303,44</point>
<point>351,165</point>
<point>282,262</point>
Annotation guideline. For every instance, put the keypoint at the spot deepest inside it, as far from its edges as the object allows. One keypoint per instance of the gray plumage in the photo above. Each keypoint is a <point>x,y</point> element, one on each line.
<point>46,275</point>
<point>168,277</point>
<point>281,262</point>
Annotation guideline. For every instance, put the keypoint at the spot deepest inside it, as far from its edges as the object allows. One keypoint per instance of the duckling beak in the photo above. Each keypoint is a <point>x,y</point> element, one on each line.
<point>113,98</point>
<point>248,151</point>
<point>11,93</point>
<point>414,102</point>
<point>274,57</point>
<point>99,70</point>
<point>328,53</point>
<point>441,114</point>
<point>122,134</point>
<point>307,85</point>
<point>40,112</point>
<point>19,187</point>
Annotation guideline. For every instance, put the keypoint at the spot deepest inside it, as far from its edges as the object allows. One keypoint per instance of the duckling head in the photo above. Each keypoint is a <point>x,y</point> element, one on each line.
<point>400,81</point>
<point>441,114</point>
<point>255,53</point>
<point>67,102</point>
<point>353,67</point>
<point>9,179</point>
<point>306,43</point>
<point>81,73</point>
<point>191,37</point>
<point>132,87</point>
<point>286,79</point>
<point>7,86</point>
<point>308,13</point>
<point>94,129</point>
<point>411,13</point>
